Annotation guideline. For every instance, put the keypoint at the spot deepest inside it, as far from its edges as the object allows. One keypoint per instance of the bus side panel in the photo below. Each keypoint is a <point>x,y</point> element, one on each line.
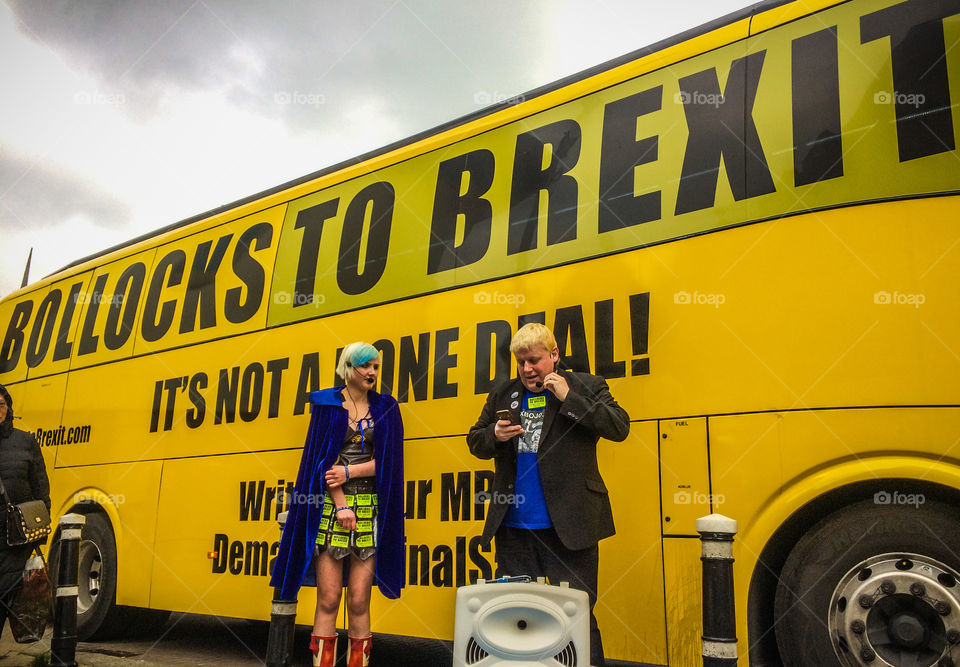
<point>684,599</point>
<point>217,534</point>
<point>630,608</point>
<point>802,455</point>
<point>128,493</point>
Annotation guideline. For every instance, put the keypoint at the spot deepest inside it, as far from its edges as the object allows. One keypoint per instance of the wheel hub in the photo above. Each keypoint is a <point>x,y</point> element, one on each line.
<point>90,564</point>
<point>907,630</point>
<point>896,609</point>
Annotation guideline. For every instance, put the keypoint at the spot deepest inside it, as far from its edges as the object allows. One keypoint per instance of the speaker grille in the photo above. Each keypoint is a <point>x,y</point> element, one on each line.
<point>475,653</point>
<point>568,656</point>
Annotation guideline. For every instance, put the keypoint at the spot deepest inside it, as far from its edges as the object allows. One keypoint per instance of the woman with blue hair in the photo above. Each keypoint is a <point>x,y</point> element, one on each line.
<point>346,514</point>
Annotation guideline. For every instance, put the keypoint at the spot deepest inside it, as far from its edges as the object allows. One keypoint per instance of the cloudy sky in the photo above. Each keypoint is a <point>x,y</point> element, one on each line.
<point>122,116</point>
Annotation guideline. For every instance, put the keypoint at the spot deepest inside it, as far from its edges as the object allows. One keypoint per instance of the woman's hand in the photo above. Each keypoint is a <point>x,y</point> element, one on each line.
<point>347,519</point>
<point>336,476</point>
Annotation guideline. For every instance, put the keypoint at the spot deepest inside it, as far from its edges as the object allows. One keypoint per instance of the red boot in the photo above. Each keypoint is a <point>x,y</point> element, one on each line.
<point>324,650</point>
<point>358,654</point>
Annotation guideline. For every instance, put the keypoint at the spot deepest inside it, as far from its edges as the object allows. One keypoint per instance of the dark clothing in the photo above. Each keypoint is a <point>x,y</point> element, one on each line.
<point>574,491</point>
<point>361,496</point>
<point>567,458</point>
<point>25,478</point>
<point>521,551</point>
<point>325,436</point>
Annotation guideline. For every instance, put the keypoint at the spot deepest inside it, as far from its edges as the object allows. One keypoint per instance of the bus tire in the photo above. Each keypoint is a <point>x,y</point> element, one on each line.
<point>872,581</point>
<point>97,614</point>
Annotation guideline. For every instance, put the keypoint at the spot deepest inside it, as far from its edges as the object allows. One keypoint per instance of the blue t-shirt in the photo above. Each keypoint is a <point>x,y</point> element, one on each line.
<point>529,508</point>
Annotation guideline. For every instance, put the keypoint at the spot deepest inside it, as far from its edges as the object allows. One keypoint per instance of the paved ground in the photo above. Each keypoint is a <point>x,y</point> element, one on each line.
<point>203,640</point>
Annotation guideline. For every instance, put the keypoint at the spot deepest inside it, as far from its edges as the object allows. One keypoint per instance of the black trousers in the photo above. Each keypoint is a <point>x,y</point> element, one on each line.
<point>540,553</point>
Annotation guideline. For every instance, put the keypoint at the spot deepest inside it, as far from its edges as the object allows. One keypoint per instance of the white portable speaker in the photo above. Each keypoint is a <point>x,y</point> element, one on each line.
<point>507,624</point>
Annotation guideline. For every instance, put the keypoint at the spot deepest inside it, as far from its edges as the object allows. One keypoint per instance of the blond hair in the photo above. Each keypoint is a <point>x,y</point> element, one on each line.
<point>530,335</point>
<point>355,354</point>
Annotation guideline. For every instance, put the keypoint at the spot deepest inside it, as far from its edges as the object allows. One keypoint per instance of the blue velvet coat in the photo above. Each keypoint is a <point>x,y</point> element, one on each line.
<point>325,436</point>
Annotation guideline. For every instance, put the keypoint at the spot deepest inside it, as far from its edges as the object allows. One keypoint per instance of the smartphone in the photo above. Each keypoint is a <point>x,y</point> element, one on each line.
<point>505,415</point>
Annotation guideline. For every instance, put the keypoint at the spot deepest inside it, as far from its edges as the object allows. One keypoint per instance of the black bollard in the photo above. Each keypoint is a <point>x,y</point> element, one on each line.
<point>719,613</point>
<point>283,618</point>
<point>63,645</point>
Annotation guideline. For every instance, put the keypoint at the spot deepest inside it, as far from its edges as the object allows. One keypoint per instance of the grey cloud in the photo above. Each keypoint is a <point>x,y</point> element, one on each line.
<point>308,63</point>
<point>33,195</point>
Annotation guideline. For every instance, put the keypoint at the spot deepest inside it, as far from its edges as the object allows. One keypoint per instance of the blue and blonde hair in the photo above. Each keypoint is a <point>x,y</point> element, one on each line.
<point>355,354</point>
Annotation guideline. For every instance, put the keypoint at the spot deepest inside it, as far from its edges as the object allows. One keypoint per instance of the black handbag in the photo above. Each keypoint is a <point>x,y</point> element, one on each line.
<point>27,522</point>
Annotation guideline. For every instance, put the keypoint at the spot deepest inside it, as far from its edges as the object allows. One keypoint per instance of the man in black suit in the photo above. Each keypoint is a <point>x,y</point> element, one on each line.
<point>548,505</point>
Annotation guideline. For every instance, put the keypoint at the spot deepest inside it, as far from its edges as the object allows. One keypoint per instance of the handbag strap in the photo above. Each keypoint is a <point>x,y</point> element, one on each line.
<point>3,490</point>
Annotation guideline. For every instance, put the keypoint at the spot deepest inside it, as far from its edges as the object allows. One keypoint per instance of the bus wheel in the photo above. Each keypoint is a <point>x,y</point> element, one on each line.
<point>97,615</point>
<point>873,584</point>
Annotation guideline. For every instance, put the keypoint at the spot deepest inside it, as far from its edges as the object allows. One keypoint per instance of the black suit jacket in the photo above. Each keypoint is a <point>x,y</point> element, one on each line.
<point>575,494</point>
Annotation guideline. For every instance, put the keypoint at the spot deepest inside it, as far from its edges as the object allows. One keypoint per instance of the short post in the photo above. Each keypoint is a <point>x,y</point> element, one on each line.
<point>63,644</point>
<point>719,614</point>
<point>283,617</point>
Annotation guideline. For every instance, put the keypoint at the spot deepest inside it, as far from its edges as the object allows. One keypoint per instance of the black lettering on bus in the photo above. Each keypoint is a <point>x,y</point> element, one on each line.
<point>484,571</point>
<point>64,345</point>
<point>387,364</point>
<point>251,500</point>
<point>88,340</point>
<point>444,360</point>
<point>531,177</point>
<point>275,367</point>
<point>126,300</point>
<point>477,167</point>
<point>151,328</point>
<point>815,81</point>
<point>42,332</point>
<point>202,286</point>
<point>250,271</point>
<point>220,544</point>
<point>493,340</point>
<point>155,411</point>
<point>13,338</point>
<point>256,559</point>
<point>722,126</point>
<point>415,504</point>
<point>569,330</point>
<point>921,89</point>
<point>620,154</point>
<point>172,386</point>
<point>378,199</point>
<point>442,573</point>
<point>227,395</point>
<point>460,544</point>
<point>418,569</point>
<point>310,220</point>
<point>639,330</point>
<point>251,391</point>
<point>196,414</point>
<point>605,366</point>
<point>482,487</point>
<point>235,557</point>
<point>455,496</point>
<point>413,368</point>
<point>307,382</point>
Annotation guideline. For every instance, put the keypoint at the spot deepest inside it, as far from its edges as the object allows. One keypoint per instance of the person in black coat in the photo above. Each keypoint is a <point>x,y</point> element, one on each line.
<point>548,506</point>
<point>25,478</point>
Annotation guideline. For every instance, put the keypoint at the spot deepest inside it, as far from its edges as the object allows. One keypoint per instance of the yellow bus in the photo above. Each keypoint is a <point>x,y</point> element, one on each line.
<point>751,230</point>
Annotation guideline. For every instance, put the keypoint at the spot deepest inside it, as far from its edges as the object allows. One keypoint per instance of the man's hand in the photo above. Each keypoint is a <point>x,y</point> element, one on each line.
<point>504,430</point>
<point>557,384</point>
